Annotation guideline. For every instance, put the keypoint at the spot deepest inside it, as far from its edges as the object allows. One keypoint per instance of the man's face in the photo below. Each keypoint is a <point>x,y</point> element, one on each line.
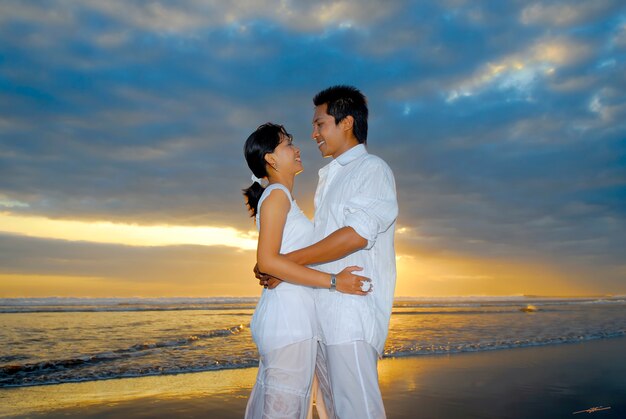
<point>332,139</point>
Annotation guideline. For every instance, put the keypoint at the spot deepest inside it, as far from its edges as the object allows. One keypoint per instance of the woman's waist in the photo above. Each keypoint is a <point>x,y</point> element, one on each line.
<point>287,287</point>
<point>286,292</point>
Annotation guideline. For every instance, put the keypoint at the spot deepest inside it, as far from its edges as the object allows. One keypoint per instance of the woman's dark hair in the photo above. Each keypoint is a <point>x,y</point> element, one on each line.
<point>262,141</point>
<point>343,101</point>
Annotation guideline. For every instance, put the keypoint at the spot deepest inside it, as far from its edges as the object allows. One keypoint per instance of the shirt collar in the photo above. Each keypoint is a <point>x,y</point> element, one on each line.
<point>352,154</point>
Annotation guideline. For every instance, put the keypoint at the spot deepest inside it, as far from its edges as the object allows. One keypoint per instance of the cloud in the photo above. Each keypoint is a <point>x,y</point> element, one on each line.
<point>503,122</point>
<point>82,269</point>
<point>564,13</point>
<point>190,16</point>
<point>11,203</point>
<point>620,38</point>
<point>520,71</point>
<point>608,104</point>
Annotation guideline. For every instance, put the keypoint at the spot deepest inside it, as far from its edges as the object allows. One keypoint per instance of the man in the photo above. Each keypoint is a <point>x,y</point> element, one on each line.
<point>355,212</point>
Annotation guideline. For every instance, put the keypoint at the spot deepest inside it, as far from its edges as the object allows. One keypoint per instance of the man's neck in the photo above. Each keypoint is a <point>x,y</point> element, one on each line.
<point>350,144</point>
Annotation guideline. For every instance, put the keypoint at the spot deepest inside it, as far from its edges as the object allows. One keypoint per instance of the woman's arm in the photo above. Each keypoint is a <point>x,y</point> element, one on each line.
<point>337,245</point>
<point>272,222</point>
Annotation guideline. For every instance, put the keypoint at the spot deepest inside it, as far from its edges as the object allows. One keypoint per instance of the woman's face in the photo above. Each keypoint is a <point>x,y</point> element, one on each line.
<point>287,156</point>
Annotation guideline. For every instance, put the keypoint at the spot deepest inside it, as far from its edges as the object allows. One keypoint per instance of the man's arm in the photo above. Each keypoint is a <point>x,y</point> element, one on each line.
<point>273,218</point>
<point>372,209</point>
<point>335,246</point>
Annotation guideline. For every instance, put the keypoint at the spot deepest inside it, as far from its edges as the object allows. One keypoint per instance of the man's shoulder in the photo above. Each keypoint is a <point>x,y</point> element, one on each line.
<point>372,162</point>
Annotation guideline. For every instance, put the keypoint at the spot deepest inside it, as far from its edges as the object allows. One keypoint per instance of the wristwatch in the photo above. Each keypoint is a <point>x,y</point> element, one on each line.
<point>333,282</point>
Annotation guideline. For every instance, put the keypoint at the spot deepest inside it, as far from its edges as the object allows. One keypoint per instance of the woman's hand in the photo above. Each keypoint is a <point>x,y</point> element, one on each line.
<point>349,283</point>
<point>266,281</point>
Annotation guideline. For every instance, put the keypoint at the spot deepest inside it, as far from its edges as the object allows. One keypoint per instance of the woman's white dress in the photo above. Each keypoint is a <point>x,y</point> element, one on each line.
<point>284,329</point>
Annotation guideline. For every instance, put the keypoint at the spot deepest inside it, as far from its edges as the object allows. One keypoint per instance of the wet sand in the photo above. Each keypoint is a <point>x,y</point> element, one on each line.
<point>537,382</point>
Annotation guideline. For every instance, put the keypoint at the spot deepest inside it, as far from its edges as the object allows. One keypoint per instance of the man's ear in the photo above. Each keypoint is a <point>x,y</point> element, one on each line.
<point>347,123</point>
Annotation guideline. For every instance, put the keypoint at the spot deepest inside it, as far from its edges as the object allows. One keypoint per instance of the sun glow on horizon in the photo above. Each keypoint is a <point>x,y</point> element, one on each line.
<point>126,234</point>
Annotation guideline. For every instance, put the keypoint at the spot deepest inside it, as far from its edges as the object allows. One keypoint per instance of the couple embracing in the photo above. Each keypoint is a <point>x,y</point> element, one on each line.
<point>322,320</point>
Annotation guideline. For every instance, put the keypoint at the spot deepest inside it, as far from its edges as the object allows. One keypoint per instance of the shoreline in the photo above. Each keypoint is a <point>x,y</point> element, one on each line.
<point>392,357</point>
<point>548,381</point>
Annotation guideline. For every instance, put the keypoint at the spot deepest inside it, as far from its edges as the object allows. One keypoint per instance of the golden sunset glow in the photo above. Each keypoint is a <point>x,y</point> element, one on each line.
<point>444,275</point>
<point>201,274</point>
<point>203,283</point>
<point>126,234</point>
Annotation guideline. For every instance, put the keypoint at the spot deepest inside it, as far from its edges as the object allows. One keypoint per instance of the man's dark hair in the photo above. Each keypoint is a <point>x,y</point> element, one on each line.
<point>343,101</point>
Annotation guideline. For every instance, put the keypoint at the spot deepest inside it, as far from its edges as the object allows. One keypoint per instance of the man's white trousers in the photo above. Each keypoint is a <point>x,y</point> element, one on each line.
<point>349,382</point>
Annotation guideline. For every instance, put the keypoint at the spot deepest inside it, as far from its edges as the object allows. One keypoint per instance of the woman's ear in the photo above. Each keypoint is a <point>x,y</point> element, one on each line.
<point>270,159</point>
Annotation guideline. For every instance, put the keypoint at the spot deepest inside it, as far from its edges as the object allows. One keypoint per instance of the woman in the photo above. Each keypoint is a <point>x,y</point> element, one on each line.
<point>284,325</point>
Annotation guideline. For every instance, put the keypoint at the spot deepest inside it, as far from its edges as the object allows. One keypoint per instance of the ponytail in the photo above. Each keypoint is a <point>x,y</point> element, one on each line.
<point>253,194</point>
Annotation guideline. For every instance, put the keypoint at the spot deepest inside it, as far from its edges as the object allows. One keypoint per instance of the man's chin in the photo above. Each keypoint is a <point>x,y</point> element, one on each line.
<point>324,152</point>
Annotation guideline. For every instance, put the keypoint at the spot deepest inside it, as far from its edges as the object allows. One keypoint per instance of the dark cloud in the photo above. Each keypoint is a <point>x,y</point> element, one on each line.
<point>503,122</point>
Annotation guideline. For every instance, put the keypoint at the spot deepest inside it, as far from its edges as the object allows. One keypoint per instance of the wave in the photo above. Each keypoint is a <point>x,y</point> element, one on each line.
<point>145,371</point>
<point>12,358</point>
<point>68,371</point>
<point>420,350</point>
<point>16,310</point>
<point>504,302</point>
<point>19,374</point>
<point>444,311</point>
<point>77,305</point>
<point>46,301</point>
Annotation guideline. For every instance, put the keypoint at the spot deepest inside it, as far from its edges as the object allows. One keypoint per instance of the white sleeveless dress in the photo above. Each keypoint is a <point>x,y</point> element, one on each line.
<point>284,328</point>
<point>286,314</point>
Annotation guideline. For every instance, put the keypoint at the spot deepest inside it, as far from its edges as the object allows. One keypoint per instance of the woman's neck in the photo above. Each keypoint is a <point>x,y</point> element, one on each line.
<point>286,180</point>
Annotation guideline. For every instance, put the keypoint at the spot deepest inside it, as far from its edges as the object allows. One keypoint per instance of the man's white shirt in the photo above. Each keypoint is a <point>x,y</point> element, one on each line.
<point>358,190</point>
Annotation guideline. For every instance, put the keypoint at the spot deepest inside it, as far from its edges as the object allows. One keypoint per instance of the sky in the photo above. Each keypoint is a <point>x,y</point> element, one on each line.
<point>122,126</point>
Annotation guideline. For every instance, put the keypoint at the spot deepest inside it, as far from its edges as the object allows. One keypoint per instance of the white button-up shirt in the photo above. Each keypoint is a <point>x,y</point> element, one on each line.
<point>357,190</point>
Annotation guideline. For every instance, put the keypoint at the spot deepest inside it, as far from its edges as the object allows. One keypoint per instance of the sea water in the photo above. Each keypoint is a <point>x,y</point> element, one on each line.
<point>58,340</point>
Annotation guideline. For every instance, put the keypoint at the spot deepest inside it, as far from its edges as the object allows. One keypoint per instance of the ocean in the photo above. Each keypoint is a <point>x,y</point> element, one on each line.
<point>60,340</point>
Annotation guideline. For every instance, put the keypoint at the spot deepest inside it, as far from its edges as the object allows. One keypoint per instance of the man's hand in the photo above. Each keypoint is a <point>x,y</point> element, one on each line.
<point>267,281</point>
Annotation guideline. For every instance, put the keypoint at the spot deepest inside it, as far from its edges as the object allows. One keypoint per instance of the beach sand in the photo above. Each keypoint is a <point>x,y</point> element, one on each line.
<point>535,382</point>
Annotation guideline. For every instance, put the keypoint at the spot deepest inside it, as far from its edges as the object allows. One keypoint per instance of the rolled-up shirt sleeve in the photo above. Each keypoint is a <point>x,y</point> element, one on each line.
<point>375,207</point>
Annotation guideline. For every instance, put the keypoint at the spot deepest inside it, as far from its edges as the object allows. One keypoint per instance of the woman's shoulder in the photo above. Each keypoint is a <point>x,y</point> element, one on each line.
<point>280,186</point>
<point>276,186</point>
<point>268,191</point>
